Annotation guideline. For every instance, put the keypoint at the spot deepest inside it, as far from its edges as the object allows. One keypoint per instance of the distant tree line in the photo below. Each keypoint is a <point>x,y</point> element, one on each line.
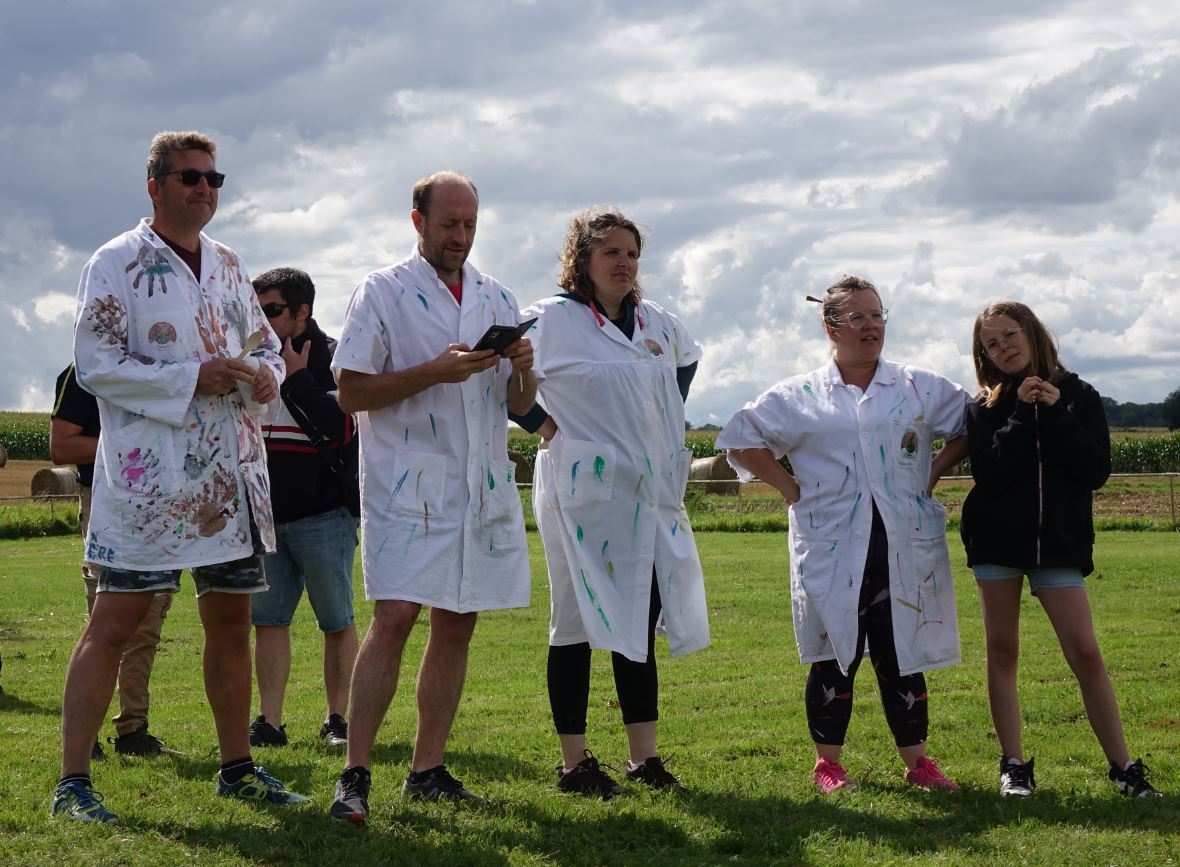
<point>1163,414</point>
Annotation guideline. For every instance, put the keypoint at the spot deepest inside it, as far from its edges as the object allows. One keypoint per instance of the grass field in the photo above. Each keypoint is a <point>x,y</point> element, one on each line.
<point>732,718</point>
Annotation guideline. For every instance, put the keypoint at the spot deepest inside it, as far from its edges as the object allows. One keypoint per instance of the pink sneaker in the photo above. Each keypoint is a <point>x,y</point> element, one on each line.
<point>928,776</point>
<point>831,776</point>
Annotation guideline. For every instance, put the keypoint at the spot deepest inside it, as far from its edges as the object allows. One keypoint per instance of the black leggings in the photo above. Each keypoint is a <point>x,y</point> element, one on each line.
<point>829,691</point>
<point>636,682</point>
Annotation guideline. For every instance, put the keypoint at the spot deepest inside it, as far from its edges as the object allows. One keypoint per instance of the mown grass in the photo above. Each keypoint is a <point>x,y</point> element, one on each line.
<point>732,717</point>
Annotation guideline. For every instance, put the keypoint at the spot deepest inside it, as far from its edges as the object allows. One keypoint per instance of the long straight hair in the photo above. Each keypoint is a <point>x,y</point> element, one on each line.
<point>993,382</point>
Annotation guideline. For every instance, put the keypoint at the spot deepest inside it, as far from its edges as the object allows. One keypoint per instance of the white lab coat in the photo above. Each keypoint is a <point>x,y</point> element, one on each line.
<point>849,449</point>
<point>441,520</point>
<point>609,491</point>
<point>174,469</point>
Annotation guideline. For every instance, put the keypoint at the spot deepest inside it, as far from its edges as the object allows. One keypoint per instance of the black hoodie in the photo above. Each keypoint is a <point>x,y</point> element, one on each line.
<point>1035,471</point>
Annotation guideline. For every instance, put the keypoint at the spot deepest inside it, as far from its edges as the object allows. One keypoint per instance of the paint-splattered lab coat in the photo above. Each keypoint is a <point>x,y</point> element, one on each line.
<point>609,491</point>
<point>441,520</point>
<point>175,470</point>
<point>846,447</point>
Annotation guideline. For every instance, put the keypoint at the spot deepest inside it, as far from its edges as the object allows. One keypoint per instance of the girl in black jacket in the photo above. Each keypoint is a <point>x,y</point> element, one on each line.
<point>1039,447</point>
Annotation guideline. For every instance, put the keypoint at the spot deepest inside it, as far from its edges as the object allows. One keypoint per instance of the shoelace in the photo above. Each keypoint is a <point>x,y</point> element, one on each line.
<point>267,778</point>
<point>353,784</point>
<point>1136,774</point>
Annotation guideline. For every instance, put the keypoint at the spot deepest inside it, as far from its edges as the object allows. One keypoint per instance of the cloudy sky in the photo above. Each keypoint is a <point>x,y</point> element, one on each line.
<point>953,152</point>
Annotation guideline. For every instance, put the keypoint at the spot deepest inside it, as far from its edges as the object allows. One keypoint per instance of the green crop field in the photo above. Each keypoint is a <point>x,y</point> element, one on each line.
<point>732,718</point>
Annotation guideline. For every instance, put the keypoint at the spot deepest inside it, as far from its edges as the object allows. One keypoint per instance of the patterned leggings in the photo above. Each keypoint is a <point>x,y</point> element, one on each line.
<point>828,695</point>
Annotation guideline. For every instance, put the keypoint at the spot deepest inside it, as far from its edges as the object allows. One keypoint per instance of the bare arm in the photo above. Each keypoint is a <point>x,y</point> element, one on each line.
<point>761,463</point>
<point>67,445</point>
<point>364,391</point>
<point>951,453</point>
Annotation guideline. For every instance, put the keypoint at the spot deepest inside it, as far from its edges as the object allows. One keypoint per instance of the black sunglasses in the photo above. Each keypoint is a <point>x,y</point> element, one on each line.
<point>192,177</point>
<point>274,309</point>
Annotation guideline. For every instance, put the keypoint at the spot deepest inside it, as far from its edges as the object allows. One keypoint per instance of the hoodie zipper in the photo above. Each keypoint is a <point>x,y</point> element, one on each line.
<point>1040,481</point>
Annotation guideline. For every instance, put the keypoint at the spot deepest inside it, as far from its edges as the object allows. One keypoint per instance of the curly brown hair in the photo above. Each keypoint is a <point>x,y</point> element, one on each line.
<point>1042,346</point>
<point>587,230</point>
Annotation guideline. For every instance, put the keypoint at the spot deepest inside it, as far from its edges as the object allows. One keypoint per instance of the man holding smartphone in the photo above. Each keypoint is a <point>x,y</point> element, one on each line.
<point>442,524</point>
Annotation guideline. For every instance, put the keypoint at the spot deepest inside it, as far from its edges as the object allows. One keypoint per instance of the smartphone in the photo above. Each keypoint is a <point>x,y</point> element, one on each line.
<point>500,337</point>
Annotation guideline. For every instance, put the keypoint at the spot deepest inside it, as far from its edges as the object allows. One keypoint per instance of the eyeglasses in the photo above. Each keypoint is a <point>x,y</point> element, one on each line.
<point>860,320</point>
<point>1006,338</point>
<point>274,309</point>
<point>192,177</point>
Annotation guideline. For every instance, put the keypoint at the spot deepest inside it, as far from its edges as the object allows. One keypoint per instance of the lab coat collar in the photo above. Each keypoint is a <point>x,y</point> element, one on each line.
<point>471,276</point>
<point>631,316</point>
<point>885,374</point>
<point>149,236</point>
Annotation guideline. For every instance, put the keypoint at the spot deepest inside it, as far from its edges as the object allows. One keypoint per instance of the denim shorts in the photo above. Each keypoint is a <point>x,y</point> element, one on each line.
<point>237,576</point>
<point>1038,577</point>
<point>317,553</point>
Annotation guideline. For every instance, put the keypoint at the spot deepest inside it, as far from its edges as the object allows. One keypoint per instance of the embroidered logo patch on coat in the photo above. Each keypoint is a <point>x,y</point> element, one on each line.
<point>653,347</point>
<point>161,334</point>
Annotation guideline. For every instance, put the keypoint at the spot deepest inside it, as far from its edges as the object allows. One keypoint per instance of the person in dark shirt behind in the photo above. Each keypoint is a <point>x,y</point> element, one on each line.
<point>312,454</point>
<point>73,439</point>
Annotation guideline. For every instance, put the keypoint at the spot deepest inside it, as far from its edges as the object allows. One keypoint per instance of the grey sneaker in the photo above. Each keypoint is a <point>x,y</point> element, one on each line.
<point>436,784</point>
<point>351,803</point>
<point>1015,778</point>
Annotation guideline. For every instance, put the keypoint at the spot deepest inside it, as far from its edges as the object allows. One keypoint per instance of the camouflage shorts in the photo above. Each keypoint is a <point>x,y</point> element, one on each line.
<point>237,576</point>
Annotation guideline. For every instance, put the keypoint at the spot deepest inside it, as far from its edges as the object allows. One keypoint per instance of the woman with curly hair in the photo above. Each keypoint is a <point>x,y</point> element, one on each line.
<point>1039,447</point>
<point>613,371</point>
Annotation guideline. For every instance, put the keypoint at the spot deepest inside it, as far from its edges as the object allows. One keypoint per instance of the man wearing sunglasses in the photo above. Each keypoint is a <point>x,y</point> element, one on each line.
<point>311,452</point>
<point>166,318</point>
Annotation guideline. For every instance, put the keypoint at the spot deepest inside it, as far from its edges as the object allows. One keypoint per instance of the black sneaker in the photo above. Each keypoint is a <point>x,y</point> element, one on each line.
<point>1016,778</point>
<point>96,753</point>
<point>1132,780</point>
<point>587,778</point>
<point>352,795</point>
<point>653,773</point>
<point>139,743</point>
<point>436,784</point>
<point>334,732</point>
<point>263,734</point>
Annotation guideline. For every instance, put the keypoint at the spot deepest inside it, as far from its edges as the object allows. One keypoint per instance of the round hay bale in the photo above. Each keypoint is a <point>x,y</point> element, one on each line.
<point>49,481</point>
<point>717,471</point>
<point>3,455</point>
<point>524,470</point>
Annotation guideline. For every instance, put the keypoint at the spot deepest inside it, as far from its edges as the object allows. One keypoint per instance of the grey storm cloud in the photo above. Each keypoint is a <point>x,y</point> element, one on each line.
<point>943,149</point>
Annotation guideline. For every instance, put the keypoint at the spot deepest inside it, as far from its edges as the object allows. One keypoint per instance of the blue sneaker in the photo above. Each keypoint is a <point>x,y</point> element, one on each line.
<point>258,786</point>
<point>80,802</point>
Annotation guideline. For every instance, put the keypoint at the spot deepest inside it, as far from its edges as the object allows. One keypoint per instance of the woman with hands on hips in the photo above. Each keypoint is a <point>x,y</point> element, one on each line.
<point>867,543</point>
<point>612,371</point>
<point>1039,447</point>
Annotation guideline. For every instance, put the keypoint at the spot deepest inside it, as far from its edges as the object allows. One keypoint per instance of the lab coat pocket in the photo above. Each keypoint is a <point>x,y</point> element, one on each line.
<point>929,518</point>
<point>906,440</point>
<point>814,562</point>
<point>503,517</point>
<point>140,460</point>
<point>585,471</point>
<point>418,483</point>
